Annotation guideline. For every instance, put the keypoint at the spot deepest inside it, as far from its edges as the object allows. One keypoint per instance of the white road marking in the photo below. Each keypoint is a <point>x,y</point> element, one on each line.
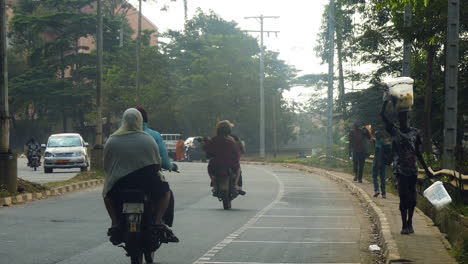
<point>315,209</point>
<point>251,222</point>
<point>315,198</point>
<point>308,216</point>
<point>205,259</point>
<point>293,242</point>
<point>224,262</point>
<point>304,228</point>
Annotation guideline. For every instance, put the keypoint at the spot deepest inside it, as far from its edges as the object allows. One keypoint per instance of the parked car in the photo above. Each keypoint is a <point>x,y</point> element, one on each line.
<point>171,141</point>
<point>64,151</point>
<point>193,150</point>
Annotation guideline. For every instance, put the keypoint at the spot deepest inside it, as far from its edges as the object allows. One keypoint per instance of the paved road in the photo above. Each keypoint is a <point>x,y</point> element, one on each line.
<point>286,217</point>
<point>26,173</point>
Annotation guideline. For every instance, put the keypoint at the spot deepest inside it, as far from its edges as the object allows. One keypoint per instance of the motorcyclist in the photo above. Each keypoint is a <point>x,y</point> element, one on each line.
<point>166,162</point>
<point>241,145</point>
<point>224,153</point>
<point>32,146</point>
<point>132,160</point>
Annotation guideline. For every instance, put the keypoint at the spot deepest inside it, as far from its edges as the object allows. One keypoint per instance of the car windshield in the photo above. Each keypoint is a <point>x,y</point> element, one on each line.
<point>72,141</point>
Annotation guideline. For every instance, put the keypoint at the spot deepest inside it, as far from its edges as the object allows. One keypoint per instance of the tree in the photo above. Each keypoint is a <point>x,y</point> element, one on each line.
<point>47,33</point>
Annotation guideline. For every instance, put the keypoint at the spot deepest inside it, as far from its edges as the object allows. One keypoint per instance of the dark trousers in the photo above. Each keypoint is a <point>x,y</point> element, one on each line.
<point>376,171</point>
<point>169,214</point>
<point>359,159</point>
<point>407,191</point>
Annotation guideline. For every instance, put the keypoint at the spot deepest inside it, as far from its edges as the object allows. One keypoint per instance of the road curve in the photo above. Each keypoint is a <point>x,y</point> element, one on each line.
<point>286,217</point>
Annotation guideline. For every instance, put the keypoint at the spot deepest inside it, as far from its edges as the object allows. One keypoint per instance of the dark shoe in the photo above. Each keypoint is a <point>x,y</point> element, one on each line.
<point>241,192</point>
<point>360,181</point>
<point>167,236</point>
<point>376,194</point>
<point>214,192</point>
<point>355,179</point>
<point>410,229</point>
<point>384,195</point>
<point>115,235</point>
<point>404,231</point>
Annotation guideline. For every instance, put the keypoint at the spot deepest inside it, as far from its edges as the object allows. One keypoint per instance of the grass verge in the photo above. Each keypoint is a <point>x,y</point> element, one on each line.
<point>83,176</point>
<point>31,187</point>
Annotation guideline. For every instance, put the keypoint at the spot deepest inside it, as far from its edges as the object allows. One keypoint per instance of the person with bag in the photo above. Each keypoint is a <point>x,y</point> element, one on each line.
<point>358,140</point>
<point>382,158</point>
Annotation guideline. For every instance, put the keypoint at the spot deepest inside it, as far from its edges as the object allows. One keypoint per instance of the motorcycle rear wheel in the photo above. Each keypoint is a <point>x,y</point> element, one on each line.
<point>226,200</point>
<point>137,258</point>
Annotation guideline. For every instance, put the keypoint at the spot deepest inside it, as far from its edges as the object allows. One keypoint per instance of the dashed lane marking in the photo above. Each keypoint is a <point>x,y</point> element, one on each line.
<point>229,239</point>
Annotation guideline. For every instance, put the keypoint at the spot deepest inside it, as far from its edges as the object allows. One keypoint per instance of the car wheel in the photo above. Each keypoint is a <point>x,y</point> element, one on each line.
<point>48,170</point>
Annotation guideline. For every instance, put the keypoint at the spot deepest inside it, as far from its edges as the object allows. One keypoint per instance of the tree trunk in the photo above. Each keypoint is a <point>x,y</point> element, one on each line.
<point>339,49</point>
<point>427,125</point>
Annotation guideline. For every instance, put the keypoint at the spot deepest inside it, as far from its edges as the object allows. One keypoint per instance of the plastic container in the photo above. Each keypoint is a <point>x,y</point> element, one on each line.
<point>400,93</point>
<point>437,195</point>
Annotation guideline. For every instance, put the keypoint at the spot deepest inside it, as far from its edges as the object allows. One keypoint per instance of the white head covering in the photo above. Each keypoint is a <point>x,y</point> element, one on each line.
<point>132,122</point>
<point>128,149</point>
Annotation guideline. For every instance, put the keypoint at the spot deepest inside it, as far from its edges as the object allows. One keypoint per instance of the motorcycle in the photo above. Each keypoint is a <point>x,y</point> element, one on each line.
<point>35,160</point>
<point>141,239</point>
<point>224,185</point>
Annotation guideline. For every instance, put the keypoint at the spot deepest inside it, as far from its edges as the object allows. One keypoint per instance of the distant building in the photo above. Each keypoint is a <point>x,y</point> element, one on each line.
<point>130,12</point>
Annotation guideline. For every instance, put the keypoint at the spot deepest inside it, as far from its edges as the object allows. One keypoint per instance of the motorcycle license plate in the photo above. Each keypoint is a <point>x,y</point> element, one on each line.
<point>133,208</point>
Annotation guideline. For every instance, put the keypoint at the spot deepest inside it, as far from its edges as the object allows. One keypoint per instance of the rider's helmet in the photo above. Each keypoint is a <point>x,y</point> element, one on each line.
<point>223,128</point>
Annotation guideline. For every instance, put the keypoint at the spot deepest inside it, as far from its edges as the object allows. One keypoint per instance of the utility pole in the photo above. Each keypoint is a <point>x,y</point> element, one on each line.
<point>138,54</point>
<point>275,139</point>
<point>262,77</point>
<point>97,157</point>
<point>407,43</point>
<point>451,85</point>
<point>331,51</point>
<point>8,162</point>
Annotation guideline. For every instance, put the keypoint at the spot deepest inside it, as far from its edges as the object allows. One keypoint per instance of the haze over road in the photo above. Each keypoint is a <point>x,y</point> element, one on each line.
<point>286,217</point>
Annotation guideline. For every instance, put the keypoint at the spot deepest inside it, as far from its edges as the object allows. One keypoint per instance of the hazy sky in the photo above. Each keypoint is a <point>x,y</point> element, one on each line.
<point>298,24</point>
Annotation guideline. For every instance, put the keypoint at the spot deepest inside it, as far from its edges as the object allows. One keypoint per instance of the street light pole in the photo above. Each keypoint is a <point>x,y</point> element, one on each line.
<point>451,85</point>
<point>138,54</point>
<point>407,43</point>
<point>262,78</point>
<point>8,165</point>
<point>96,156</point>
<point>331,51</point>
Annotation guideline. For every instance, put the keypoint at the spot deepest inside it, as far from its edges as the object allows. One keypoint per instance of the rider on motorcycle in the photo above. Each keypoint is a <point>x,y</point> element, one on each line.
<point>166,162</point>
<point>32,147</point>
<point>224,152</point>
<point>132,160</point>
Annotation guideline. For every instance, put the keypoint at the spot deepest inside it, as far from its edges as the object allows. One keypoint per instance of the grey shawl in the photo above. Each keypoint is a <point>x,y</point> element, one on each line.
<point>127,152</point>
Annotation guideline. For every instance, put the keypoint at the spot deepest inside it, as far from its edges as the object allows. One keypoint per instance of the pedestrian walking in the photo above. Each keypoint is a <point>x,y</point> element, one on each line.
<point>358,138</point>
<point>405,146</point>
<point>180,153</point>
<point>382,158</point>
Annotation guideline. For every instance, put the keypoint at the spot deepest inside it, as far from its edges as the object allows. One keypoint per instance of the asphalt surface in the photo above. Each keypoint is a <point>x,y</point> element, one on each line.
<point>286,217</point>
<point>27,173</point>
